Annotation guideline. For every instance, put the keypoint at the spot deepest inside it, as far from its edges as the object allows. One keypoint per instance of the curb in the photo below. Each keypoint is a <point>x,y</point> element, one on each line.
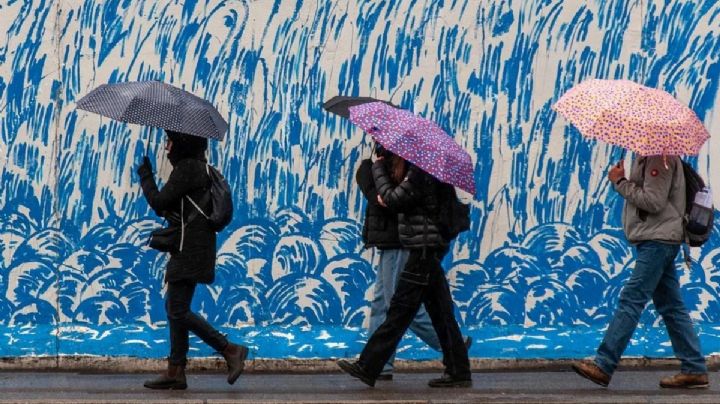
<point>117,364</point>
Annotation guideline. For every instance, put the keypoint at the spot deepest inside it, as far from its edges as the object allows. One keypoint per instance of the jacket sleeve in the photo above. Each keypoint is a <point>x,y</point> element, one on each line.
<point>654,193</point>
<point>396,197</point>
<point>176,187</point>
<point>365,181</point>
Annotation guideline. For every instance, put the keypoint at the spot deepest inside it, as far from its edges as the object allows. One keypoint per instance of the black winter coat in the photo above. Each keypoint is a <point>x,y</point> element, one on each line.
<point>417,201</point>
<point>380,227</point>
<point>196,261</point>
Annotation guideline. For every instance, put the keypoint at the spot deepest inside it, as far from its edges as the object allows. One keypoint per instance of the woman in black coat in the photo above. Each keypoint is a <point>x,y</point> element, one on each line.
<point>380,231</point>
<point>194,260</point>
<point>415,195</point>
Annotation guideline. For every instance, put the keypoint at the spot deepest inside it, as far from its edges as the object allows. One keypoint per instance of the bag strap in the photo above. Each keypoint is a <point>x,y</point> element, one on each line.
<point>182,223</point>
<point>193,215</point>
<point>197,207</point>
<point>206,197</point>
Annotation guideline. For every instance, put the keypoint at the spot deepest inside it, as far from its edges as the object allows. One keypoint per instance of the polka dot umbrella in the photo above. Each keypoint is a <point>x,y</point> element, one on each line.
<point>648,121</point>
<point>417,140</point>
<point>153,103</point>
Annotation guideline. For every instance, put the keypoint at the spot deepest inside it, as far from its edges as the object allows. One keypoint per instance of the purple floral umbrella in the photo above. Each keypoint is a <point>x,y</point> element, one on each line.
<point>417,140</point>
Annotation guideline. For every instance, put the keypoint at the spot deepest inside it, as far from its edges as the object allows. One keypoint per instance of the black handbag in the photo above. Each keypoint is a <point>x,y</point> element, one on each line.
<point>166,239</point>
<point>171,239</point>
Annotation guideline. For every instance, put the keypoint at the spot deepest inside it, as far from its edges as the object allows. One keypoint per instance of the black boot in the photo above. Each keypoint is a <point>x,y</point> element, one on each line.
<point>450,381</point>
<point>356,371</point>
<point>235,356</point>
<point>172,379</point>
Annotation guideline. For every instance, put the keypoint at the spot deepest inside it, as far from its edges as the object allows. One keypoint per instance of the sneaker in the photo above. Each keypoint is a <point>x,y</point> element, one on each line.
<point>449,381</point>
<point>592,372</point>
<point>685,381</point>
<point>356,371</point>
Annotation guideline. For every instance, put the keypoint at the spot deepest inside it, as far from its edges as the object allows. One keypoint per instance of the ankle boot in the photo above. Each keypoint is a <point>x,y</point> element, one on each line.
<point>235,357</point>
<point>172,379</point>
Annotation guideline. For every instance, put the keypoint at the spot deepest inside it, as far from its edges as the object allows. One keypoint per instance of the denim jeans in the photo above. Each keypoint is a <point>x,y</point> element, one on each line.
<point>391,264</point>
<point>182,321</point>
<point>654,277</point>
<point>422,281</point>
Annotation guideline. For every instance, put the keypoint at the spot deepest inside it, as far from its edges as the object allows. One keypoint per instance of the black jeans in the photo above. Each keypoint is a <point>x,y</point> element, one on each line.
<point>182,321</point>
<point>422,281</point>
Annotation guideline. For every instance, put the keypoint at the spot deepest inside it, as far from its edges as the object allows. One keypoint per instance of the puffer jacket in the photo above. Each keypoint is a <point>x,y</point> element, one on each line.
<point>654,200</point>
<point>416,200</point>
<point>196,261</point>
<point>380,226</point>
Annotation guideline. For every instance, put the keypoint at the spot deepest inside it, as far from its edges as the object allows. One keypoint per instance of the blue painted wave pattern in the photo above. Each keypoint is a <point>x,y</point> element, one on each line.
<point>537,275</point>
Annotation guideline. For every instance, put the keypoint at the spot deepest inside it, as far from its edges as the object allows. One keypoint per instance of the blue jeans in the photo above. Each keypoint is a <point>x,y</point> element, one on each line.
<point>654,277</point>
<point>391,265</point>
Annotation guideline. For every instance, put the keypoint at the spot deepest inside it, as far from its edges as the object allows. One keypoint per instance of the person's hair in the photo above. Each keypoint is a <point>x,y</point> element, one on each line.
<point>398,168</point>
<point>185,146</point>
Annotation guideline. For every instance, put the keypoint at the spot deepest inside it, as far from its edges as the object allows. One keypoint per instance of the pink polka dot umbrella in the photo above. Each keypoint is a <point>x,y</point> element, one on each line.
<point>648,121</point>
<point>417,140</point>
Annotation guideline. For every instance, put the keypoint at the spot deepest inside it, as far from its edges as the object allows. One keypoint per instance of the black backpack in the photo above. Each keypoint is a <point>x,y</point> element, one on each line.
<point>454,215</point>
<point>220,199</point>
<point>698,222</point>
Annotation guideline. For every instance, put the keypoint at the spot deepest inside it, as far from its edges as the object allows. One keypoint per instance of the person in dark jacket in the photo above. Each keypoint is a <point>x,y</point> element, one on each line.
<point>194,262</point>
<point>380,230</point>
<point>417,200</point>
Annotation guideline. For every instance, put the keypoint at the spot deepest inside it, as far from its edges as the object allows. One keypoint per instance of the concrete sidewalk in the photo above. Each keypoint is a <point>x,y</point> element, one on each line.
<point>497,387</point>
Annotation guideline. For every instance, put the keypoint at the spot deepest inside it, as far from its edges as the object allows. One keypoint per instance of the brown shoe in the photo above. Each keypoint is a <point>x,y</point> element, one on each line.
<point>235,356</point>
<point>685,381</point>
<point>592,372</point>
<point>172,379</point>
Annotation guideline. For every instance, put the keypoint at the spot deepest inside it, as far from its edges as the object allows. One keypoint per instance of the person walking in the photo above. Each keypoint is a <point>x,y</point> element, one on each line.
<point>380,231</point>
<point>194,263</point>
<point>415,194</point>
<point>653,222</point>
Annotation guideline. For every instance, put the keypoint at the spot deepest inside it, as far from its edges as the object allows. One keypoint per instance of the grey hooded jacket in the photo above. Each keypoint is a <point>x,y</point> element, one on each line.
<point>654,200</point>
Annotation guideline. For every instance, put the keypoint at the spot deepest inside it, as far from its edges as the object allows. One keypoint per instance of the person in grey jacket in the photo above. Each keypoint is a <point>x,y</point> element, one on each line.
<point>653,222</point>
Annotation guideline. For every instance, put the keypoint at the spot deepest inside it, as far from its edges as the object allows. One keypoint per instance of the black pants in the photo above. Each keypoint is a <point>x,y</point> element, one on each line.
<point>421,282</point>
<point>182,321</point>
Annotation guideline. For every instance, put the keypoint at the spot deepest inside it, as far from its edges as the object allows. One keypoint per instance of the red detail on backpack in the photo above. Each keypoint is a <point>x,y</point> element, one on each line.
<point>654,172</point>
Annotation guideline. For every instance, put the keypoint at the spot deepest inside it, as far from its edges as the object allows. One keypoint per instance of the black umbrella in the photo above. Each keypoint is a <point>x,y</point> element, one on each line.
<point>339,104</point>
<point>153,103</point>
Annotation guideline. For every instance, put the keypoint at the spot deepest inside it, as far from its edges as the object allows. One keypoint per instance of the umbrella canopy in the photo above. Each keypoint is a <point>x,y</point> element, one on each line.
<point>417,140</point>
<point>648,121</point>
<point>340,105</point>
<point>153,103</point>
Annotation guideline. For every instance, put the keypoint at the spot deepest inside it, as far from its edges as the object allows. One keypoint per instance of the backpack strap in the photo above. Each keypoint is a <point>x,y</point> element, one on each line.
<point>686,245</point>
<point>686,250</point>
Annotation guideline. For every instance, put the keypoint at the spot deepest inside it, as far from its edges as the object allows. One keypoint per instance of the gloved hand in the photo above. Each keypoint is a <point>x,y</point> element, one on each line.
<point>145,169</point>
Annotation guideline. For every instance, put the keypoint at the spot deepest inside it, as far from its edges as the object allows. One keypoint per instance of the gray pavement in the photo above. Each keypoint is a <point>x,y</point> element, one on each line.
<point>496,387</point>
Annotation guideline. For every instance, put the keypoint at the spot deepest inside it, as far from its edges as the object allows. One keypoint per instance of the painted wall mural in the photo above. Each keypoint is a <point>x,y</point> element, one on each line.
<point>537,276</point>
